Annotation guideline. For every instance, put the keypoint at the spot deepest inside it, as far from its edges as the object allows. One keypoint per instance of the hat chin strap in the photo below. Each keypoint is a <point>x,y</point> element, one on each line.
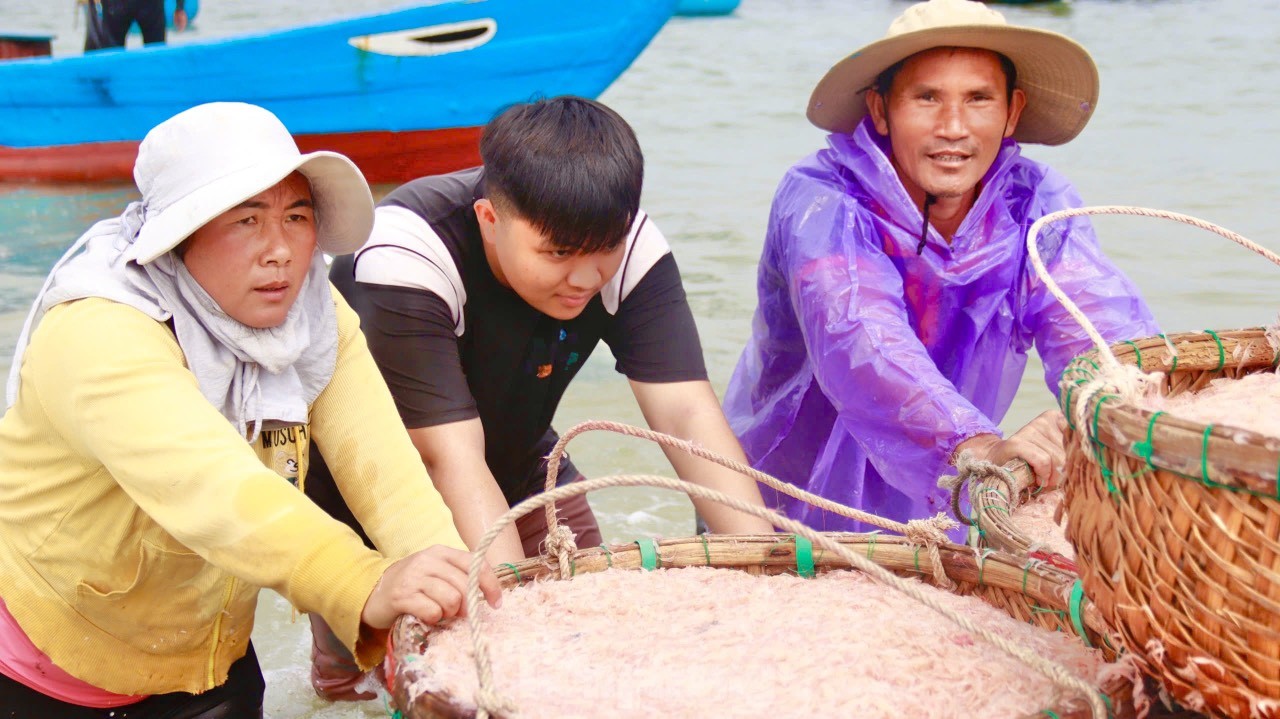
<point>929,199</point>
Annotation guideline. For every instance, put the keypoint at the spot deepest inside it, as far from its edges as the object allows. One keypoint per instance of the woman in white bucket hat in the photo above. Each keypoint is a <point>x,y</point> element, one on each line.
<point>160,413</point>
<point>896,305</point>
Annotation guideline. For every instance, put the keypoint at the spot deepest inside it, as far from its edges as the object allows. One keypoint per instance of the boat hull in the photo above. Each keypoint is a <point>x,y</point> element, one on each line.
<point>384,157</point>
<point>384,87</point>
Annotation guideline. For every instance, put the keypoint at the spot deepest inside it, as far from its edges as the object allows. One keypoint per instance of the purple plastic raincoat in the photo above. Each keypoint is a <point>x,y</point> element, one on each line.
<point>868,363</point>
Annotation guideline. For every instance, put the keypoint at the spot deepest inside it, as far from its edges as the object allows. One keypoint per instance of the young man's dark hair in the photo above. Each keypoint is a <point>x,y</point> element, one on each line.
<point>569,166</point>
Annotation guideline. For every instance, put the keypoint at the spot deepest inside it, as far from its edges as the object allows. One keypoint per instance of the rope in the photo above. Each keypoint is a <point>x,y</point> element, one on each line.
<point>969,468</point>
<point>1126,381</point>
<point>928,532</point>
<point>1034,252</point>
<point>490,702</point>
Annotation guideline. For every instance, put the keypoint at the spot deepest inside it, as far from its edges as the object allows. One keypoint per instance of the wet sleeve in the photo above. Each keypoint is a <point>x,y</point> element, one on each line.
<point>411,337</point>
<point>654,337</point>
<point>1074,259</point>
<point>865,355</point>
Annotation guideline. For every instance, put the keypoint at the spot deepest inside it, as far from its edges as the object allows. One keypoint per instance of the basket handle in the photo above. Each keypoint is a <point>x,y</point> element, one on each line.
<point>1034,253</point>
<point>919,531</point>
<point>1016,475</point>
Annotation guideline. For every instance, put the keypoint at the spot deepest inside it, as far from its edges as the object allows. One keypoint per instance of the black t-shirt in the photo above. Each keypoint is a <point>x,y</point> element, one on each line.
<point>453,343</point>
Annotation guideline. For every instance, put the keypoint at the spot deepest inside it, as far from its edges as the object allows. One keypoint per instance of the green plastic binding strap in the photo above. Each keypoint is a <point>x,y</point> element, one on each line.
<point>1066,406</point>
<point>1204,456</point>
<point>386,706</point>
<point>1076,607</point>
<point>1144,449</point>
<point>1049,713</point>
<point>1097,408</point>
<point>1037,609</point>
<point>649,559</point>
<point>871,544</point>
<point>1097,449</point>
<point>1222,352</point>
<point>982,563</point>
<point>706,548</point>
<point>608,555</point>
<point>519,579</point>
<point>1137,353</point>
<point>1174,368</point>
<point>804,557</point>
<point>917,553</point>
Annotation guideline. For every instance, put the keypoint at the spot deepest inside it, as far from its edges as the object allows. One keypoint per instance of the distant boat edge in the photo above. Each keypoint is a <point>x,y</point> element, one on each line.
<point>706,7</point>
<point>401,106</point>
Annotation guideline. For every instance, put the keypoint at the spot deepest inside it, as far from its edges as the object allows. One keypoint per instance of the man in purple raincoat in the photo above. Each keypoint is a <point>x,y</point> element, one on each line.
<point>896,301</point>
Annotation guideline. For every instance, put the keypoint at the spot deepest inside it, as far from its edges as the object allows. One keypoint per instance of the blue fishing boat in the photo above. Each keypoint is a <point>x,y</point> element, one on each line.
<point>706,7</point>
<point>402,93</point>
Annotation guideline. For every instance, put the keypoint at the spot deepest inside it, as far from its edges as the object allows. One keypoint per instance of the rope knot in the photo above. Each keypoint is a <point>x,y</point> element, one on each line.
<point>560,544</point>
<point>930,531</point>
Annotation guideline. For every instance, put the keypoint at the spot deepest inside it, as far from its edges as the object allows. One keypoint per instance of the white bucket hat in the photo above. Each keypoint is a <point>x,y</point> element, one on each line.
<point>210,158</point>
<point>1056,73</point>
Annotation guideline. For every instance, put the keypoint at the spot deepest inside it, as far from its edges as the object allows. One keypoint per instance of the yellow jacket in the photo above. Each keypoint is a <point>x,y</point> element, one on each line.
<point>137,525</point>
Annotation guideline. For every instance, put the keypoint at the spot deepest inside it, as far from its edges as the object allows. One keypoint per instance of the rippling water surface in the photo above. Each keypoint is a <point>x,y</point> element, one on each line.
<point>1187,121</point>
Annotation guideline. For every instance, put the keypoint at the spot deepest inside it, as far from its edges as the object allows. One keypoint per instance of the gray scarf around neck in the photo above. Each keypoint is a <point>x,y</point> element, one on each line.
<point>254,377</point>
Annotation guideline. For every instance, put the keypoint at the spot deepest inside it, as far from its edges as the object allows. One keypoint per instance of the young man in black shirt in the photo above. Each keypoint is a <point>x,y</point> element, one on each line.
<point>483,292</point>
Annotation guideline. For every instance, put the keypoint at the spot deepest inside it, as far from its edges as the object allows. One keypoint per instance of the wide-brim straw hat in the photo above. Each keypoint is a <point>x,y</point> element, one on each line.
<point>210,158</point>
<point>1056,73</point>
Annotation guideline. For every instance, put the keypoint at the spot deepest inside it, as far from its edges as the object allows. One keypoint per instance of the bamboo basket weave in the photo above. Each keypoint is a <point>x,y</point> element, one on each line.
<point>1176,525</point>
<point>1024,590</point>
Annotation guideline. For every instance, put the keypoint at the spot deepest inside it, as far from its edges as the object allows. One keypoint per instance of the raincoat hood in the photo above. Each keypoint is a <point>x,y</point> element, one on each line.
<point>869,363</point>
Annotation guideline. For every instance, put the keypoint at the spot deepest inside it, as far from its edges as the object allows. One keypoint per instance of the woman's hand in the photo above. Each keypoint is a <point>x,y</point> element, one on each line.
<point>430,585</point>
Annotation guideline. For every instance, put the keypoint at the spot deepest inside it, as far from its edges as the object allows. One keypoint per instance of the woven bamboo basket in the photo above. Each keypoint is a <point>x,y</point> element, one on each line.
<point>1176,525</point>
<point>1024,590</point>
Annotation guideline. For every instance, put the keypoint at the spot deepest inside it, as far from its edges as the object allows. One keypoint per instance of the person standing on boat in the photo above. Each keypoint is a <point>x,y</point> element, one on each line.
<point>109,27</point>
<point>187,354</point>
<point>896,301</point>
<point>483,292</point>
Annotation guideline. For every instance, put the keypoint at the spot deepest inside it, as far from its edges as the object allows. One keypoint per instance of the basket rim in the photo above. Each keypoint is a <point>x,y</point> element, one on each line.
<point>993,518</point>
<point>1046,585</point>
<point>1216,455</point>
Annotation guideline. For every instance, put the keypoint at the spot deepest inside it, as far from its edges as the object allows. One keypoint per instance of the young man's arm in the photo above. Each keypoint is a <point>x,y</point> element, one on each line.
<point>454,457</point>
<point>656,343</point>
<point>690,410</point>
